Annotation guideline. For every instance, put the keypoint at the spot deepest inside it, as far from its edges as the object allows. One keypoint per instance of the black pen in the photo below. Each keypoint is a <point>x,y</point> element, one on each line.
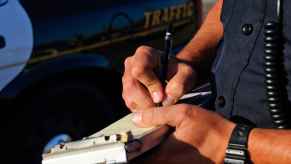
<point>164,58</point>
<point>165,55</point>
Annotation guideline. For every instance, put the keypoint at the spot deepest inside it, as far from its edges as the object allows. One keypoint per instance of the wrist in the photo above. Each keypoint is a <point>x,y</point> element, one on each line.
<point>217,141</point>
<point>223,141</point>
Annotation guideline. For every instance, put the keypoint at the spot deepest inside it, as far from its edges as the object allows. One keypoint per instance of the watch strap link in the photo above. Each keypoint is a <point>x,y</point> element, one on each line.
<point>237,150</point>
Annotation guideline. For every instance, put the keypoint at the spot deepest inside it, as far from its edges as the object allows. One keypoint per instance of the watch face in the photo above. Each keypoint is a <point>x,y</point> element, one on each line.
<point>3,2</point>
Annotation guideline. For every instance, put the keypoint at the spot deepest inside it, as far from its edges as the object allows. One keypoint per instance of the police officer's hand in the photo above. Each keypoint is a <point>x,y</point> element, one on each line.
<point>142,88</point>
<point>200,136</point>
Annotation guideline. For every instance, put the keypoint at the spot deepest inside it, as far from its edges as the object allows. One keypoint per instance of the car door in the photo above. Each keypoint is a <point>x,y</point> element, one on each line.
<point>16,40</point>
<point>112,28</point>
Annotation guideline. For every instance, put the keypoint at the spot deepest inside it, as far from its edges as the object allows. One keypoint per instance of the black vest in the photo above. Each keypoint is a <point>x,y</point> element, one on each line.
<point>239,66</point>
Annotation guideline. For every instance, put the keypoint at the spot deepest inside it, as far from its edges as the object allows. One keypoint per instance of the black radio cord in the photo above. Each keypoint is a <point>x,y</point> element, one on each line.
<point>273,44</point>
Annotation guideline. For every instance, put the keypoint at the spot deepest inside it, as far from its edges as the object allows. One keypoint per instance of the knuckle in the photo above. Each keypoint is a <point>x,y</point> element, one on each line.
<point>130,104</point>
<point>185,69</point>
<point>137,72</point>
<point>124,96</point>
<point>173,86</point>
<point>127,88</point>
<point>143,50</point>
<point>145,57</point>
<point>123,80</point>
<point>127,81</point>
<point>185,111</point>
<point>127,61</point>
<point>175,89</point>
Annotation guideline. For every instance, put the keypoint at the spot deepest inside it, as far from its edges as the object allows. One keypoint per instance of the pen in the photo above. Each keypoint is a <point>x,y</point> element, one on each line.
<point>165,56</point>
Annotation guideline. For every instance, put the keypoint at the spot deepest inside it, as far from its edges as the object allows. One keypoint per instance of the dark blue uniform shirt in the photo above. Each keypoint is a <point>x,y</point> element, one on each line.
<point>239,67</point>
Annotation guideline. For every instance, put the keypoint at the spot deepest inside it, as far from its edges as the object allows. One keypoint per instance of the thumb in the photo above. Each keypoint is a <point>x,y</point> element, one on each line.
<point>172,116</point>
<point>182,82</point>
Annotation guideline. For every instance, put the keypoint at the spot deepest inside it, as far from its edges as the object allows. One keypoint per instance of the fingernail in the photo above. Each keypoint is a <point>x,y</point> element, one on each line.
<point>136,117</point>
<point>157,97</point>
<point>169,101</point>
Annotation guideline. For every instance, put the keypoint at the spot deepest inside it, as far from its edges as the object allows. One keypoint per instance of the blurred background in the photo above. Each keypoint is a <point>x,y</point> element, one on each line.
<point>207,4</point>
<point>61,63</point>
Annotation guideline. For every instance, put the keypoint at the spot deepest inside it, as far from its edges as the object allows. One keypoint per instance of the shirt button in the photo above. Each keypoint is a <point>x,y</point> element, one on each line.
<point>221,101</point>
<point>247,29</point>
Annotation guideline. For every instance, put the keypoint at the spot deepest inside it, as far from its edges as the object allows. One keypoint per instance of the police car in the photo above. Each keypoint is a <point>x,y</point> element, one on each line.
<point>61,62</point>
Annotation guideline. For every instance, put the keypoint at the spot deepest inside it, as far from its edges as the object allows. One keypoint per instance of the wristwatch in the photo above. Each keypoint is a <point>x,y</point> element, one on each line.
<point>237,149</point>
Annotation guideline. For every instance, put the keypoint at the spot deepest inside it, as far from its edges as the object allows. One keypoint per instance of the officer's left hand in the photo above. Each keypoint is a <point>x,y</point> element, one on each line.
<point>200,136</point>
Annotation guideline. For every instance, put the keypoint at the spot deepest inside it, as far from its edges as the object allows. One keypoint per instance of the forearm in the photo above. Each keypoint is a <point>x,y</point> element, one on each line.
<point>205,41</point>
<point>270,146</point>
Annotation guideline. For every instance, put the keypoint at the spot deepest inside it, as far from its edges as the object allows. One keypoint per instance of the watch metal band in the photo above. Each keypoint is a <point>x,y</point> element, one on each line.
<point>237,150</point>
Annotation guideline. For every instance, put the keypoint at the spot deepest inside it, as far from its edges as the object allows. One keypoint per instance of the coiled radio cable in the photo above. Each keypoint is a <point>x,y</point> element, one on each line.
<point>273,45</point>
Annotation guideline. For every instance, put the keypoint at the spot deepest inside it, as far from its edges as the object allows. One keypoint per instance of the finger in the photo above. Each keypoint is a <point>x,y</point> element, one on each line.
<point>144,62</point>
<point>153,85</point>
<point>148,56</point>
<point>182,82</point>
<point>172,116</point>
<point>133,93</point>
<point>136,97</point>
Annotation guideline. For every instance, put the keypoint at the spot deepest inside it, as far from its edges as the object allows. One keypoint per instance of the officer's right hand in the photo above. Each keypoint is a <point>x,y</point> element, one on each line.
<point>141,87</point>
